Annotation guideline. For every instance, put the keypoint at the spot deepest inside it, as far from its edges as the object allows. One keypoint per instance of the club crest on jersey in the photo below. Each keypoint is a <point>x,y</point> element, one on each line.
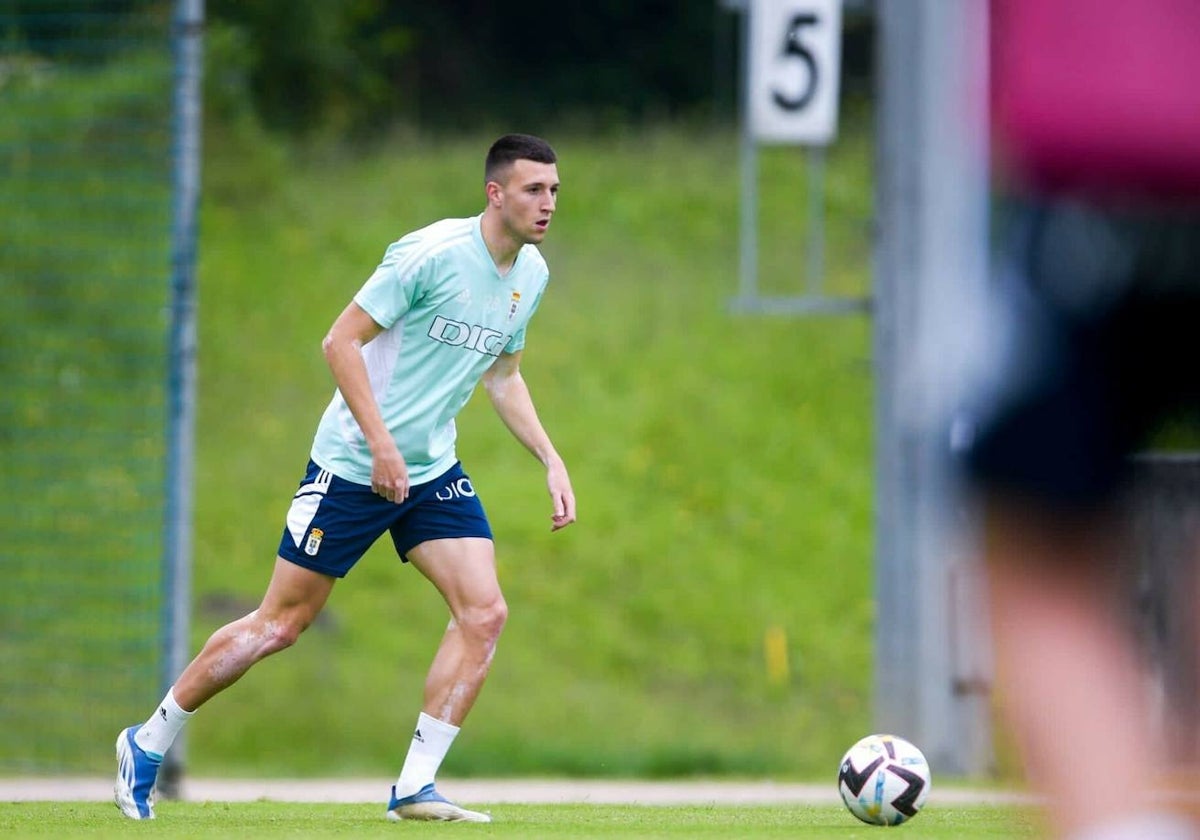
<point>513,304</point>
<point>313,544</point>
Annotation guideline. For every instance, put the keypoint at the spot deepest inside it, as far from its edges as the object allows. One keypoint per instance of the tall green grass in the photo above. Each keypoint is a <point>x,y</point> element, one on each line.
<point>722,465</point>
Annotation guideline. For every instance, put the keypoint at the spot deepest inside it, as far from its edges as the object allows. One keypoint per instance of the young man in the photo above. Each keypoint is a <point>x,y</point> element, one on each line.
<point>446,308</point>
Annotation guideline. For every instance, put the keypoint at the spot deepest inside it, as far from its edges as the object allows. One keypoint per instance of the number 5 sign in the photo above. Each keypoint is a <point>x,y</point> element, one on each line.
<point>795,61</point>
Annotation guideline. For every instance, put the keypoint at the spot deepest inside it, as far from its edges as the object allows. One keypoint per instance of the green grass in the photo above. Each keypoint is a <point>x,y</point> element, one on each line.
<point>196,821</point>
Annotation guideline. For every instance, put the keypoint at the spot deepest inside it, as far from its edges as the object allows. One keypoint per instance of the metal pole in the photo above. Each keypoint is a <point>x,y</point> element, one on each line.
<point>187,39</point>
<point>896,667</point>
<point>748,159</point>
<point>932,671</point>
<point>815,282</point>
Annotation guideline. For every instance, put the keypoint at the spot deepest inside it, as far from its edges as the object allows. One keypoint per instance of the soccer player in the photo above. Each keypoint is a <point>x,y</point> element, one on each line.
<point>446,308</point>
<point>1097,119</point>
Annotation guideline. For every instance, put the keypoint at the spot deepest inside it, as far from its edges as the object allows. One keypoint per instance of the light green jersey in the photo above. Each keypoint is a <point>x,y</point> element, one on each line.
<point>447,313</point>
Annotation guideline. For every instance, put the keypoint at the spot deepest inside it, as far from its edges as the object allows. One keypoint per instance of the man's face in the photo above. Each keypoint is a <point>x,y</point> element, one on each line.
<point>527,200</point>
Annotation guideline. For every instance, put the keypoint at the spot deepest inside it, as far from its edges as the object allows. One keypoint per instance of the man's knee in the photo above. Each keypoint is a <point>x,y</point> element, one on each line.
<point>285,633</point>
<point>485,621</point>
<point>282,630</point>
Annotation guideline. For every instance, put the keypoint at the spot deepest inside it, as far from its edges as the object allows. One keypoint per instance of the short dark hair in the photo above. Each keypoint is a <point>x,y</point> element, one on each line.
<point>513,147</point>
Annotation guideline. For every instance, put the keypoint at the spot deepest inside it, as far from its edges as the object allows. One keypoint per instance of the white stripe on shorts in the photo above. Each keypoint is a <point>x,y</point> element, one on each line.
<point>304,505</point>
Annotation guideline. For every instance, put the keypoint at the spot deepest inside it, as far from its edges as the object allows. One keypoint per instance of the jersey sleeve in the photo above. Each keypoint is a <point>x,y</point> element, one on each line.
<point>394,286</point>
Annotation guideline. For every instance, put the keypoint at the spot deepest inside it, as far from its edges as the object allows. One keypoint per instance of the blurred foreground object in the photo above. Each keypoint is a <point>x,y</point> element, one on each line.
<point>1097,144</point>
<point>1098,96</point>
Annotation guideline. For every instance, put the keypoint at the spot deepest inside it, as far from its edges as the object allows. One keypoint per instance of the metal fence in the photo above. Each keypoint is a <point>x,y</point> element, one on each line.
<point>95,262</point>
<point>1164,541</point>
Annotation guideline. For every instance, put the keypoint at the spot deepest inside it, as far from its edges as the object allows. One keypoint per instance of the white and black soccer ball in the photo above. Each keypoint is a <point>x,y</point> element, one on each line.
<point>884,780</point>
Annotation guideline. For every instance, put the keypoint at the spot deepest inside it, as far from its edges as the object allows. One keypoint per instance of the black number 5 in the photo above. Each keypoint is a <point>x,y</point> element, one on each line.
<point>793,47</point>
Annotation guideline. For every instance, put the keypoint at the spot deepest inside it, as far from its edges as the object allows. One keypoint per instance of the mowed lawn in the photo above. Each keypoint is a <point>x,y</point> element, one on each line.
<point>263,819</point>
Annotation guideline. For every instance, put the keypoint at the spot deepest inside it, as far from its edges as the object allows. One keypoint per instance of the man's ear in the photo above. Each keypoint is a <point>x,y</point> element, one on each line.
<point>494,193</point>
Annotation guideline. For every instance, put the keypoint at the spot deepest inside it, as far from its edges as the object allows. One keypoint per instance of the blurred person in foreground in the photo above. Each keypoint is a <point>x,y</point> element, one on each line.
<point>447,308</point>
<point>1096,107</point>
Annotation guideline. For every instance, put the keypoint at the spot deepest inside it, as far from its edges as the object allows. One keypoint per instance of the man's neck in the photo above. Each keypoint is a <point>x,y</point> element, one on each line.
<point>500,246</point>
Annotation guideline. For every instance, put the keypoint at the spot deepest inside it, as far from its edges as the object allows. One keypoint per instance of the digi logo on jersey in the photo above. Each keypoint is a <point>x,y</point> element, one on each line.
<point>455,490</point>
<point>472,336</point>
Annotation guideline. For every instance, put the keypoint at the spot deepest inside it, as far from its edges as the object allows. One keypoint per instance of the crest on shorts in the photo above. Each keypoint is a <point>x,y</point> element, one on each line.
<point>313,544</point>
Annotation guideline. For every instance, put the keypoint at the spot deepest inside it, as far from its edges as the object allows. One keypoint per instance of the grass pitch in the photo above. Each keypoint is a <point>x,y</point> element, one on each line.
<point>264,819</point>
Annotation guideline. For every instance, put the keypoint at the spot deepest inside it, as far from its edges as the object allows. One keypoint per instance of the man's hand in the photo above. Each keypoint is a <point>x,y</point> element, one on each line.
<point>389,473</point>
<point>561,495</point>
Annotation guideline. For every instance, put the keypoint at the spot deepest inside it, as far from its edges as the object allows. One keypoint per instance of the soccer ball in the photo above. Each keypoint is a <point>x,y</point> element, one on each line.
<point>883,780</point>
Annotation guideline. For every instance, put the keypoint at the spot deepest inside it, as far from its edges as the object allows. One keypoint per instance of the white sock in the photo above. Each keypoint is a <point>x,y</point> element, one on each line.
<point>1160,826</point>
<point>429,746</point>
<point>158,733</point>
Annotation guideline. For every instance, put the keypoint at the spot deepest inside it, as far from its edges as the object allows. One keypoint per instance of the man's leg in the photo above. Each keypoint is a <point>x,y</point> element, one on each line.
<point>464,572</point>
<point>1069,679</point>
<point>293,599</point>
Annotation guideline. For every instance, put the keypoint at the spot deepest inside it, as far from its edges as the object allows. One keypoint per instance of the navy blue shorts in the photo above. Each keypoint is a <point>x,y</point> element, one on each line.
<point>1109,305</point>
<point>332,522</point>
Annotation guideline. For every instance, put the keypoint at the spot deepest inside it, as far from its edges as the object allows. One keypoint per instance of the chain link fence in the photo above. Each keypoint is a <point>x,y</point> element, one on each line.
<point>87,253</point>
